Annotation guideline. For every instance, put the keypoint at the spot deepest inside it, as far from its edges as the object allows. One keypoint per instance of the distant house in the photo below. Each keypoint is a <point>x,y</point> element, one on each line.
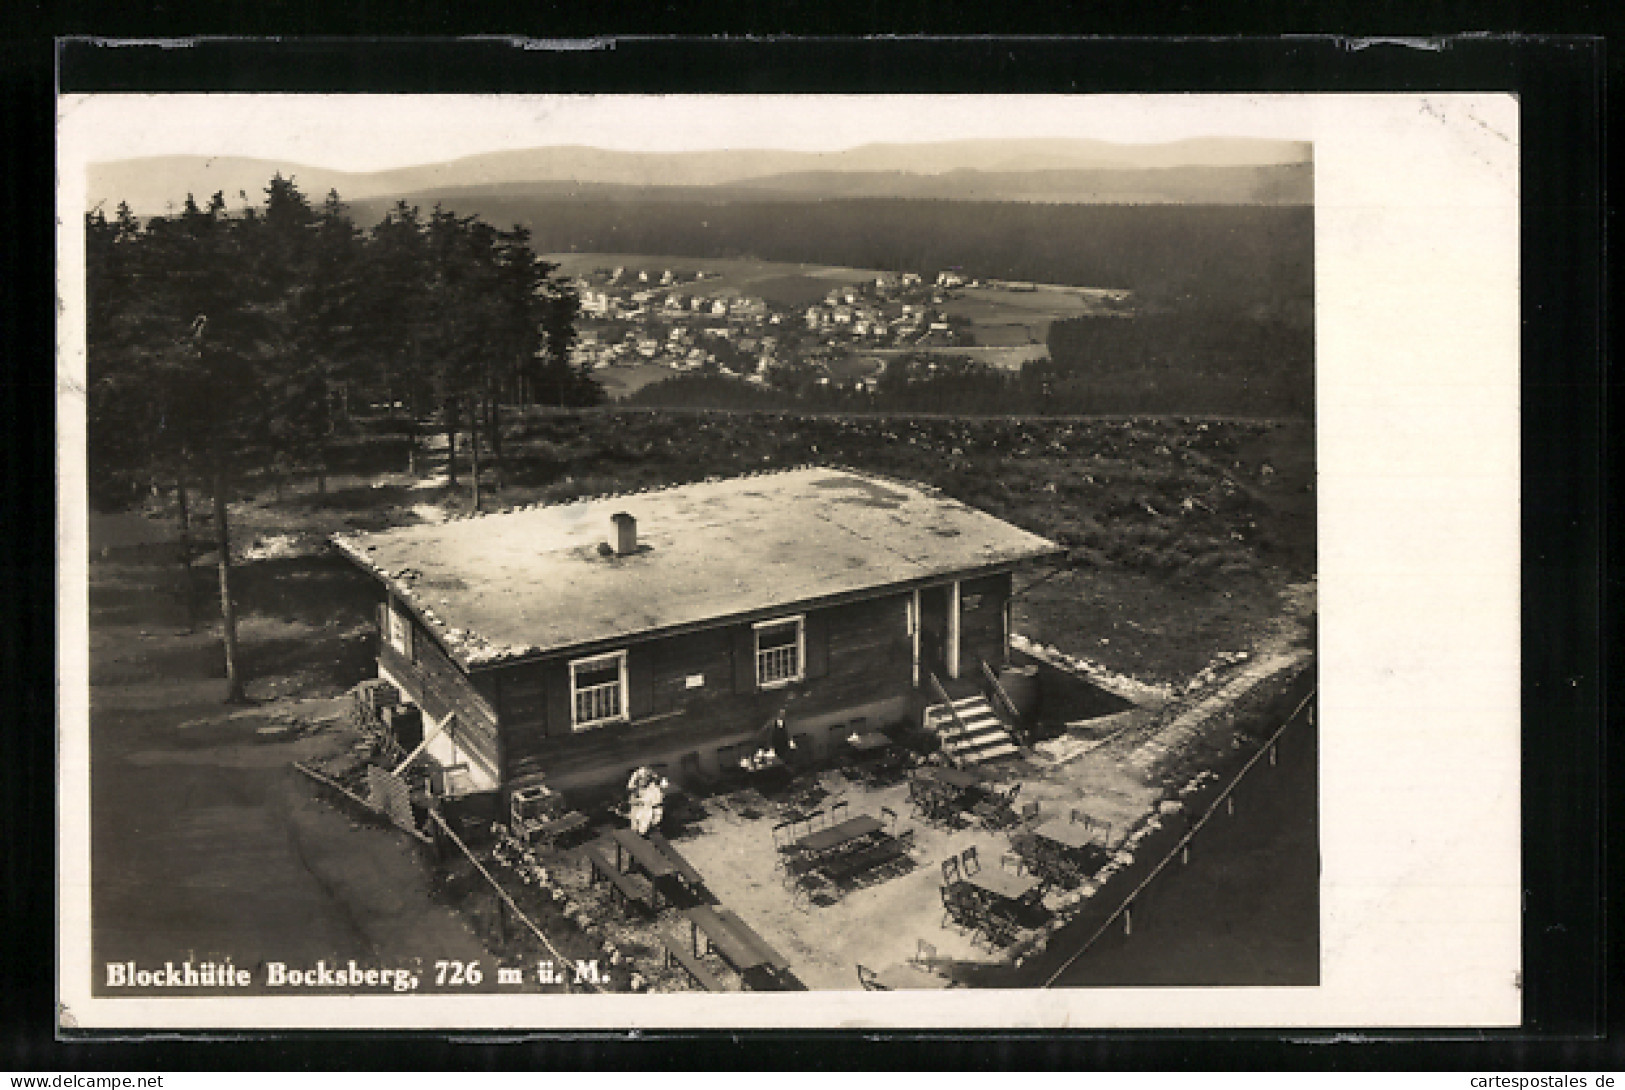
<point>576,642</point>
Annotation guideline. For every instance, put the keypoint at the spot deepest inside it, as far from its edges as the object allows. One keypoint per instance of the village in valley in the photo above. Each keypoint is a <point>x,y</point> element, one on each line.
<point>839,324</point>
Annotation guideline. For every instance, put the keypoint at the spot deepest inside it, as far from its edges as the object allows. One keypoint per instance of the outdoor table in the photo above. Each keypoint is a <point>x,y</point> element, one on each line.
<point>1001,884</point>
<point>740,946</point>
<point>836,835</point>
<point>956,778</point>
<point>648,858</point>
<point>746,934</point>
<point>684,869</point>
<point>1068,834</point>
<point>869,742</point>
<point>734,948</point>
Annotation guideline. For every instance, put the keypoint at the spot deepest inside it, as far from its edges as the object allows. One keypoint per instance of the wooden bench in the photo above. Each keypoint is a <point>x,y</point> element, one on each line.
<point>642,853</point>
<point>693,966</point>
<point>630,887</point>
<point>739,946</point>
<point>684,870</point>
<point>553,830</point>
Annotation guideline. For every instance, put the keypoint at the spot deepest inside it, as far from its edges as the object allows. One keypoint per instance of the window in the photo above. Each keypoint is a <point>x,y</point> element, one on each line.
<point>400,629</point>
<point>598,690</point>
<point>779,652</point>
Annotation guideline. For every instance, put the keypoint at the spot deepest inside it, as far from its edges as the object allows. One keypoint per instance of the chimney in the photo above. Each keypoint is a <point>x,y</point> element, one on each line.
<point>625,537</point>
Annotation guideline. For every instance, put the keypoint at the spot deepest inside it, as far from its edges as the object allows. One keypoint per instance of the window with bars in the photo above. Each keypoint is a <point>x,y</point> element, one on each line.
<point>779,652</point>
<point>598,690</point>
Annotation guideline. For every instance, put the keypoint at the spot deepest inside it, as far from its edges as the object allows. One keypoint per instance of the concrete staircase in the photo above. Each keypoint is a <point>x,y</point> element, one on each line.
<point>977,735</point>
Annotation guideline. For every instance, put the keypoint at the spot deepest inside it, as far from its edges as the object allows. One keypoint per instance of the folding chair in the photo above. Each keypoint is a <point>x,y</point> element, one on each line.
<point>837,812</point>
<point>889,816</point>
<point>783,835</point>
<point>1080,818</point>
<point>970,861</point>
<point>1029,811</point>
<point>950,869</point>
<point>812,819</point>
<point>1012,862</point>
<point>924,952</point>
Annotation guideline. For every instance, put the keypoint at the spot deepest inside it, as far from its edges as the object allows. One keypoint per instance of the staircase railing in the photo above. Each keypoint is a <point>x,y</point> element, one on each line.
<point>997,688</point>
<point>942,695</point>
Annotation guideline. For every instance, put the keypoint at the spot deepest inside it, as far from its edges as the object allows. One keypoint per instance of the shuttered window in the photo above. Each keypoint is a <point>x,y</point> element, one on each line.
<point>598,691</point>
<point>780,652</point>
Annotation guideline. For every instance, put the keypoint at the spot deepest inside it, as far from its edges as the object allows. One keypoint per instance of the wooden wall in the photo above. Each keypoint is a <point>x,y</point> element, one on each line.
<point>439,686</point>
<point>856,654</point>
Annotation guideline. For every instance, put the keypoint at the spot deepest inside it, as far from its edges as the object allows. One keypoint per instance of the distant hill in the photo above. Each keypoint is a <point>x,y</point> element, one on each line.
<point>1286,183</point>
<point>1188,171</point>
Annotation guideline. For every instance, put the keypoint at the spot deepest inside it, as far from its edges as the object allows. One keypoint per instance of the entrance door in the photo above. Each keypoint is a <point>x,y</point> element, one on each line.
<point>933,634</point>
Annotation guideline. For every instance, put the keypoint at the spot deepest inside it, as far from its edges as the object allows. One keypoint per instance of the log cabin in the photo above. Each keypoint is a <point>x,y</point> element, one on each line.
<point>571,643</point>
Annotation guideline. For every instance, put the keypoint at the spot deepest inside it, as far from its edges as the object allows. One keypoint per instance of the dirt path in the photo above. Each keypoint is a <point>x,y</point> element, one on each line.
<point>204,842</point>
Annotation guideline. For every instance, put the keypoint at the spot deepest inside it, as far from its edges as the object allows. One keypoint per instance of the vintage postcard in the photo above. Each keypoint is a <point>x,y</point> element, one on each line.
<point>815,561</point>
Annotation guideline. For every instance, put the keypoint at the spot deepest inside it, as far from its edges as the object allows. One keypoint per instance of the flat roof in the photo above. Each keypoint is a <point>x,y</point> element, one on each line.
<point>535,580</point>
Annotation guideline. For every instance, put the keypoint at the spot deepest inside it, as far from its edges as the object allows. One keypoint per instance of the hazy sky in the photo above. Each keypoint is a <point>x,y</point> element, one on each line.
<point>376,132</point>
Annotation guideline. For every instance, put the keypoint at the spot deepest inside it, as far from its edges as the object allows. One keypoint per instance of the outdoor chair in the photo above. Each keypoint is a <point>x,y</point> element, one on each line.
<point>924,952</point>
<point>999,930</point>
<point>1029,811</point>
<point>837,812</point>
<point>783,835</point>
<point>870,981</point>
<point>889,816</point>
<point>970,862</point>
<point>1011,861</point>
<point>950,869</point>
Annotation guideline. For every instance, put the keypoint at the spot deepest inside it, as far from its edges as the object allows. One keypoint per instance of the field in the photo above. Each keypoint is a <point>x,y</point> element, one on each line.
<point>619,382</point>
<point>1009,358</point>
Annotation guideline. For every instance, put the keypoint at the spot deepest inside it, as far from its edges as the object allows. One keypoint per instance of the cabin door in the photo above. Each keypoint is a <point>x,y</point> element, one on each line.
<point>933,634</point>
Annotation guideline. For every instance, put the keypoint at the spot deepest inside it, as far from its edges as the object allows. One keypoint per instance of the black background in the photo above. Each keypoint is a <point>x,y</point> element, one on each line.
<point>1566,453</point>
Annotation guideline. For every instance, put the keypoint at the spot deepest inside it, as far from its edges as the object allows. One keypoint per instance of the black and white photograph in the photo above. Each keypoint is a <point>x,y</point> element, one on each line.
<point>875,554</point>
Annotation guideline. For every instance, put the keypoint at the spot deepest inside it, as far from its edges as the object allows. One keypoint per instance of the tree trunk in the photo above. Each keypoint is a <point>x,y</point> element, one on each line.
<point>411,435</point>
<point>496,444</point>
<point>474,453</point>
<point>451,445</point>
<point>228,611</point>
<point>187,597</point>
